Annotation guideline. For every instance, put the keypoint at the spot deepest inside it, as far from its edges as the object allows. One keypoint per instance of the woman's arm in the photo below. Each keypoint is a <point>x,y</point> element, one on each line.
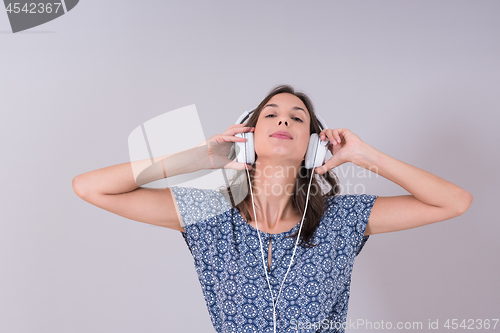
<point>432,198</point>
<point>126,177</point>
<point>117,188</point>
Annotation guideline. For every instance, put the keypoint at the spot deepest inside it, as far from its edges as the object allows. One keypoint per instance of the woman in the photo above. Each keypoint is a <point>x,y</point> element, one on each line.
<point>298,288</point>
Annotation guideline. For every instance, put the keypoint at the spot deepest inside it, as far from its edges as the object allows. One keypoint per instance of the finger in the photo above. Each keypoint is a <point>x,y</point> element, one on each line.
<point>233,127</point>
<point>237,166</point>
<point>330,164</point>
<point>236,130</point>
<point>232,138</point>
<point>320,170</point>
<point>336,135</point>
<point>323,134</point>
<point>238,125</point>
<point>229,138</point>
<point>329,135</point>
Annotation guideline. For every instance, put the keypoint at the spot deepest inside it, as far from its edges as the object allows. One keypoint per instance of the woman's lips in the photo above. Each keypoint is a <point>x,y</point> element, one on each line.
<point>281,135</point>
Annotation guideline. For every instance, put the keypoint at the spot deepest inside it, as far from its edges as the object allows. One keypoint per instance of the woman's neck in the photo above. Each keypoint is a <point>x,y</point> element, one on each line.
<point>273,188</point>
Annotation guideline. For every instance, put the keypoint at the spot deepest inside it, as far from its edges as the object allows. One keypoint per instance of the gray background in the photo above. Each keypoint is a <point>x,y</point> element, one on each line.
<point>418,80</point>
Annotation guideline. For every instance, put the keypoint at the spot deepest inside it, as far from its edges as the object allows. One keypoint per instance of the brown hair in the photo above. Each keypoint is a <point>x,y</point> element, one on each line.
<point>317,199</point>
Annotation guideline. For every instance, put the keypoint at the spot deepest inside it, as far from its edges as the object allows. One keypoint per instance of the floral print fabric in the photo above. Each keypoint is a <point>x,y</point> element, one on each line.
<point>228,261</point>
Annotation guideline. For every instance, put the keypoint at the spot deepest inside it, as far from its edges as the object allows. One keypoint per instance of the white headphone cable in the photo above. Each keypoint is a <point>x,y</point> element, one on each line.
<point>261,247</point>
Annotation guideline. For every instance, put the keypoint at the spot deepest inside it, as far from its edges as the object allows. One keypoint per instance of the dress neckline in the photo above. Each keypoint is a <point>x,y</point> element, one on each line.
<point>284,233</point>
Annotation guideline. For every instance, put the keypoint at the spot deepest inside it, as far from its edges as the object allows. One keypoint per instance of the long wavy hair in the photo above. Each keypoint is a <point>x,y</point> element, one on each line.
<point>322,186</point>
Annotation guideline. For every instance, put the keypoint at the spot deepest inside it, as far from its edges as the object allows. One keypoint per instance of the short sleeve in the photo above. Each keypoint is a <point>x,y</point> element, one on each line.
<point>196,205</point>
<point>355,211</point>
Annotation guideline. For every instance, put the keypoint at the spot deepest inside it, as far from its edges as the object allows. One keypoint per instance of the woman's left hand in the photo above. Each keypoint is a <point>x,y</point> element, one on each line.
<point>343,146</point>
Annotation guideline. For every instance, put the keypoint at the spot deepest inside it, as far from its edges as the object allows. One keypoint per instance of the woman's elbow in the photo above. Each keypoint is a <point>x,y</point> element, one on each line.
<point>466,201</point>
<point>77,186</point>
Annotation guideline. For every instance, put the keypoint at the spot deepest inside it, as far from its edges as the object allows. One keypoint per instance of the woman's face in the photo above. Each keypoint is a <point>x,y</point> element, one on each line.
<point>284,113</point>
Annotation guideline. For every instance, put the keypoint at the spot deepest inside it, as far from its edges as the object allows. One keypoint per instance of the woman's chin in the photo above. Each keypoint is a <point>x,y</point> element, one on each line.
<point>281,155</point>
<point>279,151</point>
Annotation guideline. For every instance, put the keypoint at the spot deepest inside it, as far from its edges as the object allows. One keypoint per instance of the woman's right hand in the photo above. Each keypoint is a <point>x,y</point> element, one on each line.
<point>214,154</point>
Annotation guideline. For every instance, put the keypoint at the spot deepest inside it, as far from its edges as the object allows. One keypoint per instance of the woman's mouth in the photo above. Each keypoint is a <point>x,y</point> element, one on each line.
<point>282,135</point>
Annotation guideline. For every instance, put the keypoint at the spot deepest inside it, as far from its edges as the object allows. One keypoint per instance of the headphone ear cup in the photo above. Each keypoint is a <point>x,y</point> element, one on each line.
<point>311,151</point>
<point>316,151</point>
<point>245,150</point>
<point>321,152</point>
<point>250,148</point>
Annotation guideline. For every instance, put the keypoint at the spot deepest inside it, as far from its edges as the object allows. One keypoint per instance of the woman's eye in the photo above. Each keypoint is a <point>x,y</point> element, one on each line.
<point>294,118</point>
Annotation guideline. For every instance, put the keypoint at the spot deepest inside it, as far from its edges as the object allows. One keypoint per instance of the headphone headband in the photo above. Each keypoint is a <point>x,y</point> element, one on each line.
<point>245,115</point>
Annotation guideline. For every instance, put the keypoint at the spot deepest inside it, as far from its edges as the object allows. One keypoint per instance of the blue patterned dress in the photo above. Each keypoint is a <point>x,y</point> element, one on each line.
<point>229,264</point>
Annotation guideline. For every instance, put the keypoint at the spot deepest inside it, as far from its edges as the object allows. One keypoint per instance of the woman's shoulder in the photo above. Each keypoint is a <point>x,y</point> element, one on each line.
<point>349,200</point>
<point>199,204</point>
<point>343,204</point>
<point>347,215</point>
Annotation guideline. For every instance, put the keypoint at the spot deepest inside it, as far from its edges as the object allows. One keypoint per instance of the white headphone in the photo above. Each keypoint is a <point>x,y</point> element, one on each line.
<point>315,154</point>
<point>315,157</point>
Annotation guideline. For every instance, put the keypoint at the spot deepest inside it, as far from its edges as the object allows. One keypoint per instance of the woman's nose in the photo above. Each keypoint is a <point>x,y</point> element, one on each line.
<point>286,123</point>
